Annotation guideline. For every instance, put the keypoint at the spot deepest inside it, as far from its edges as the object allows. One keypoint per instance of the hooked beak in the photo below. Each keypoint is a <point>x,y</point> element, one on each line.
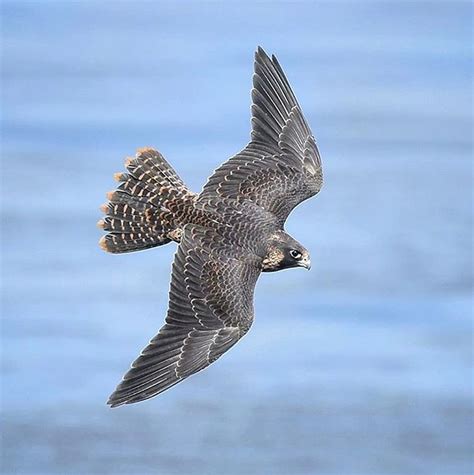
<point>306,263</point>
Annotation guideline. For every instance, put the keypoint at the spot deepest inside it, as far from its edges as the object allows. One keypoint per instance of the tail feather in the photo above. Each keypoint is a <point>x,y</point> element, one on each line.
<point>138,214</point>
<point>113,225</point>
<point>121,243</point>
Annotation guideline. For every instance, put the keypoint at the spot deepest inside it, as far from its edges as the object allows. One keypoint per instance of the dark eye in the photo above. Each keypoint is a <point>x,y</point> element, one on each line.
<point>295,254</point>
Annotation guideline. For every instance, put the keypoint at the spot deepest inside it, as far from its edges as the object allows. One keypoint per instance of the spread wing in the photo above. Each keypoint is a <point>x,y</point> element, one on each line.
<point>281,166</point>
<point>210,309</point>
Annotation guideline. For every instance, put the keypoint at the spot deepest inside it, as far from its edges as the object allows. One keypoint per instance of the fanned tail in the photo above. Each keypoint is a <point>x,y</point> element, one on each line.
<point>148,207</point>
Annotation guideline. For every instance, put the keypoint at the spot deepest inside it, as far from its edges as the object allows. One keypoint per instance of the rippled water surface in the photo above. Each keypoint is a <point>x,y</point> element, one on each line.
<point>361,366</point>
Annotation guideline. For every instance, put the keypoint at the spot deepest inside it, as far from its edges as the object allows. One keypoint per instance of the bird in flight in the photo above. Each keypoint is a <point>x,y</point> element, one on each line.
<point>227,234</point>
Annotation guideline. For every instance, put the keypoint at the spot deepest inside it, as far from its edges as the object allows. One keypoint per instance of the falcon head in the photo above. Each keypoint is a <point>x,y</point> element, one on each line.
<point>285,252</point>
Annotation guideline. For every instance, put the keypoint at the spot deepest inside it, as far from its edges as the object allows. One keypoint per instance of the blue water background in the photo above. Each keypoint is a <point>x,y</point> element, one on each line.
<point>361,366</point>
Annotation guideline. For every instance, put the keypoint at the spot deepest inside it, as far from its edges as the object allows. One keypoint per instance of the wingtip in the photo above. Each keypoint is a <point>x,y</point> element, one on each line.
<point>112,404</point>
<point>116,400</point>
<point>264,59</point>
<point>260,52</point>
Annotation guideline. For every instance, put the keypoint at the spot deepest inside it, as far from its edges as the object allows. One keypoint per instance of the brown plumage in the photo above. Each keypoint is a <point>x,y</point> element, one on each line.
<point>228,234</point>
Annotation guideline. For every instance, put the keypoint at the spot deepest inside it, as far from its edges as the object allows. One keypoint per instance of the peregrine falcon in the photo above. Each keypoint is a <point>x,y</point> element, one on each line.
<point>227,234</point>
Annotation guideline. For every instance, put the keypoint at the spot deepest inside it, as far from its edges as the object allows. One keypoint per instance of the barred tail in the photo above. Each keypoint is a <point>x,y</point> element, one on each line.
<point>146,210</point>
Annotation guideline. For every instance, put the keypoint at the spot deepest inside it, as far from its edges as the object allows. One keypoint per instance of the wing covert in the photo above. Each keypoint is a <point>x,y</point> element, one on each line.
<point>281,166</point>
<point>210,309</point>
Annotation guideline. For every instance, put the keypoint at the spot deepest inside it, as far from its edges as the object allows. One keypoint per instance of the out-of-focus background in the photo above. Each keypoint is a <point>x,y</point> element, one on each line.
<point>363,365</point>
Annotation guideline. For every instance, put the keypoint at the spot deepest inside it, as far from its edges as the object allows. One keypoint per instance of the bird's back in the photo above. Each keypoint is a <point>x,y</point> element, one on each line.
<point>241,224</point>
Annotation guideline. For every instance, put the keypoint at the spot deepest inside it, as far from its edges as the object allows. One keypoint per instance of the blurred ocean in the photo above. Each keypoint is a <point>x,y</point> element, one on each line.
<point>362,366</point>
